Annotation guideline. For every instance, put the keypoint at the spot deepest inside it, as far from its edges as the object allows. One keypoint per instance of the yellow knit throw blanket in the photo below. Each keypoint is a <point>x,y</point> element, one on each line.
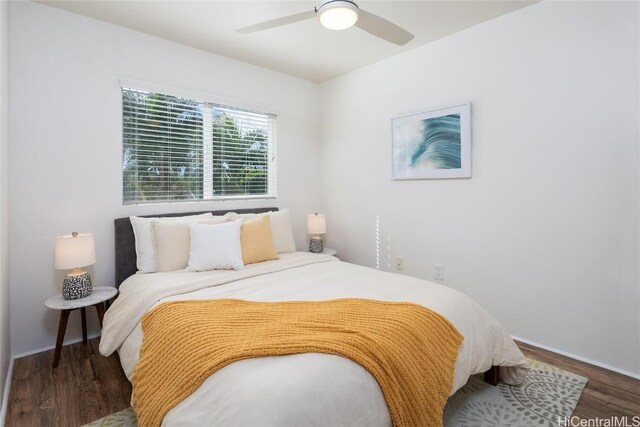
<point>410,350</point>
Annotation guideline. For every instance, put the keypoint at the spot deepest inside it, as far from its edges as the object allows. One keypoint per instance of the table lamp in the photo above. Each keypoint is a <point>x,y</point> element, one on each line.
<point>316,225</point>
<point>73,251</point>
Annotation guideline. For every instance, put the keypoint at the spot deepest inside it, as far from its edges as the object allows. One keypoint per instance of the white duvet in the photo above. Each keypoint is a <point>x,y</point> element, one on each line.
<point>311,388</point>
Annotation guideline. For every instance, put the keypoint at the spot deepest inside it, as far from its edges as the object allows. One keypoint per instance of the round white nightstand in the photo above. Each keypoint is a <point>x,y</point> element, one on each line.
<point>97,299</point>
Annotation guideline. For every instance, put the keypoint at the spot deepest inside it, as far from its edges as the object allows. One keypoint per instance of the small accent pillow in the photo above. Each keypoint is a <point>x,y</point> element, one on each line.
<point>215,247</point>
<point>143,233</point>
<point>171,242</point>
<point>257,243</point>
<point>281,230</point>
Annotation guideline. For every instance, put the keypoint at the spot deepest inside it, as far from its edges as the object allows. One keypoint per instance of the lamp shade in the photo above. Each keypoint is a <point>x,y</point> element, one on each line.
<point>316,224</point>
<point>74,250</point>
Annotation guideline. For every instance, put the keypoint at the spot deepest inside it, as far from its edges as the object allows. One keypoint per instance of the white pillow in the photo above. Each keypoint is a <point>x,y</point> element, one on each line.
<point>281,230</point>
<point>143,233</point>
<point>215,247</point>
<point>171,242</point>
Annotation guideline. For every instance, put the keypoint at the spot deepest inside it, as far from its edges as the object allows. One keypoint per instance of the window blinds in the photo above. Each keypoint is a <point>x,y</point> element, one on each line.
<point>177,149</point>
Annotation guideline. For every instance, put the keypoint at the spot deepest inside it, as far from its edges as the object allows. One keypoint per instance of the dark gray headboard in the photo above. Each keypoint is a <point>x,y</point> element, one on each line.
<point>126,243</point>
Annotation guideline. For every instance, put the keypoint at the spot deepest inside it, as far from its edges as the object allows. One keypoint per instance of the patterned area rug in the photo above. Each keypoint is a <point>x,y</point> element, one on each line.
<point>547,394</point>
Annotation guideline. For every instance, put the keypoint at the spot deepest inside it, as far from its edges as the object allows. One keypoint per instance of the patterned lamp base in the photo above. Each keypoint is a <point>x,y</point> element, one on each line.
<point>316,245</point>
<point>76,286</point>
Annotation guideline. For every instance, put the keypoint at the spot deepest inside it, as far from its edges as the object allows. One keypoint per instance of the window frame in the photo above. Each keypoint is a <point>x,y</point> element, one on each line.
<point>208,103</point>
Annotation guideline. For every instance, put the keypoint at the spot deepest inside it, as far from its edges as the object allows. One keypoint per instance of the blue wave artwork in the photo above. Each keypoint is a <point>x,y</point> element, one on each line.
<point>440,144</point>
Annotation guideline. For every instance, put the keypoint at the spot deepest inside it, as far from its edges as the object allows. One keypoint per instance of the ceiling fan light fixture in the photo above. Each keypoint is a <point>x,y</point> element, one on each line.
<point>338,14</point>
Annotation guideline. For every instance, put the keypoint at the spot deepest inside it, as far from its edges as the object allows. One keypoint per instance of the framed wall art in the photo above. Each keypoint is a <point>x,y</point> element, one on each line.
<point>435,144</point>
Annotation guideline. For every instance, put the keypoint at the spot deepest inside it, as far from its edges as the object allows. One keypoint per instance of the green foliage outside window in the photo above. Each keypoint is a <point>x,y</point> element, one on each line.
<point>164,156</point>
<point>239,158</point>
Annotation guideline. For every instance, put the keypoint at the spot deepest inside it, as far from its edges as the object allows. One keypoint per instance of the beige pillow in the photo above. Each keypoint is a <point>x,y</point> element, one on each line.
<point>143,233</point>
<point>256,241</point>
<point>171,243</point>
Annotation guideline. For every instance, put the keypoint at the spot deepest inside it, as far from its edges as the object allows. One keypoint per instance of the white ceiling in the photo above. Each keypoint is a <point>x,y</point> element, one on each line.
<point>304,49</point>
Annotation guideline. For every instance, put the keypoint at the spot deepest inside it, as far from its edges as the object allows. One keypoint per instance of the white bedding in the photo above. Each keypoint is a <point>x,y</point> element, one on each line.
<point>311,388</point>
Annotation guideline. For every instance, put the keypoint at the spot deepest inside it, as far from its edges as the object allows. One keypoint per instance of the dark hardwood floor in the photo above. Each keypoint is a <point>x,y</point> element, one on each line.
<point>84,387</point>
<point>87,386</point>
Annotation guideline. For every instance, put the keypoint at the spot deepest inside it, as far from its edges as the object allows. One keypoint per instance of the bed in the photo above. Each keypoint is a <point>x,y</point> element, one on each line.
<point>297,389</point>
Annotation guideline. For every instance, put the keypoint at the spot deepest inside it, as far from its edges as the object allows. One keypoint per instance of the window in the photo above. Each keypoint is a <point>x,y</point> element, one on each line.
<point>177,149</point>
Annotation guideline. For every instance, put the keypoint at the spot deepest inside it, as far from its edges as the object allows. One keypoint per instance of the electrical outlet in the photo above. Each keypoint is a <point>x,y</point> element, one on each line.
<point>438,272</point>
<point>399,263</point>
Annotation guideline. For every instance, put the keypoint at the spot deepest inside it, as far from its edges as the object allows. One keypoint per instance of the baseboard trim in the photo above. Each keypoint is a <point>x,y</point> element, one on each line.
<point>580,358</point>
<point>51,347</point>
<point>5,396</point>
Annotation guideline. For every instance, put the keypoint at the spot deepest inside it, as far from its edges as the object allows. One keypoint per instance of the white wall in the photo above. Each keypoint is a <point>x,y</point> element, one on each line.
<point>4,193</point>
<point>66,144</point>
<point>545,234</point>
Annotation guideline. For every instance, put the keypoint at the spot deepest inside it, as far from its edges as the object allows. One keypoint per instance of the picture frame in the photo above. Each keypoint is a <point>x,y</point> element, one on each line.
<point>432,145</point>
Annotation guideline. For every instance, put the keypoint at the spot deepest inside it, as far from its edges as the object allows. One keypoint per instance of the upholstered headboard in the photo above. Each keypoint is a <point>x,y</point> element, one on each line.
<point>126,242</point>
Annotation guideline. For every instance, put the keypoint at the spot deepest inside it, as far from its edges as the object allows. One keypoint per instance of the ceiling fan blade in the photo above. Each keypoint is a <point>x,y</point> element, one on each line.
<point>277,22</point>
<point>382,28</point>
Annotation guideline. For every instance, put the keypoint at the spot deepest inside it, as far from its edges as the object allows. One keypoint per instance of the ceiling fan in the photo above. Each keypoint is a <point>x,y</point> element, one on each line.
<point>340,15</point>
